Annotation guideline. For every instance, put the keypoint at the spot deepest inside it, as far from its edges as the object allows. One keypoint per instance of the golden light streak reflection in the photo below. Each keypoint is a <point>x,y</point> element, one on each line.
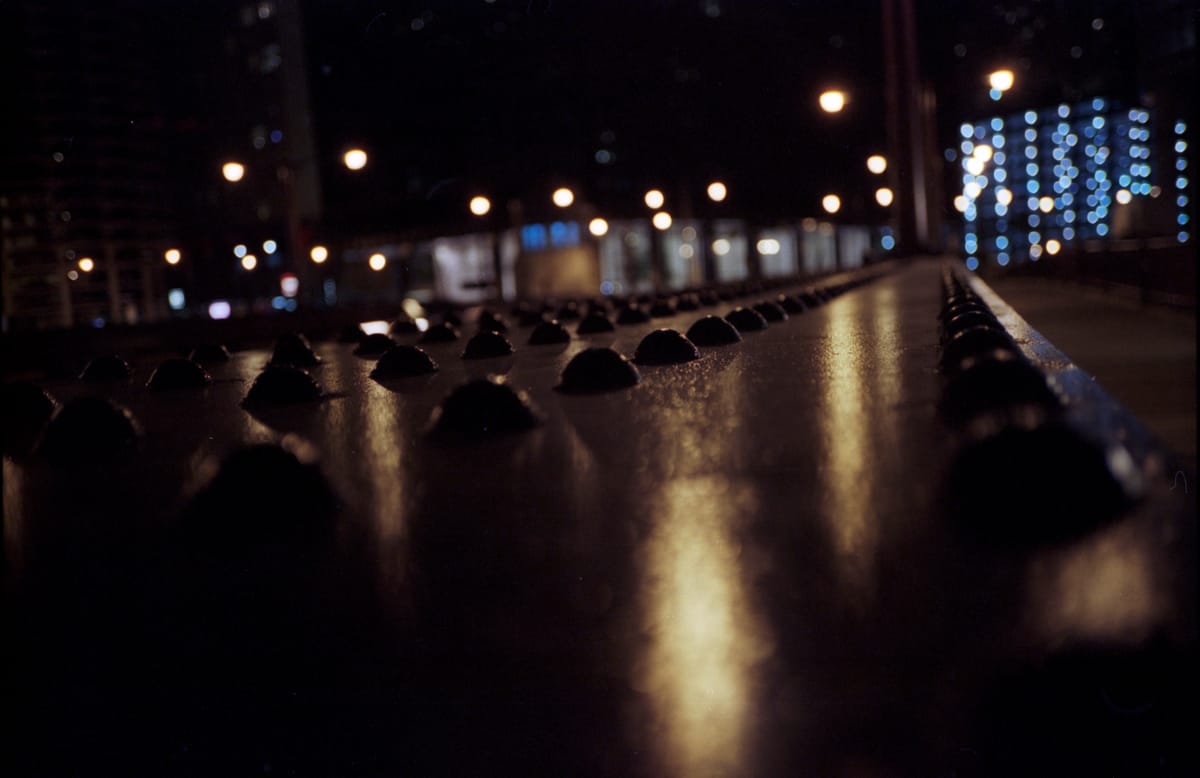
<point>706,639</point>
<point>13,517</point>
<point>382,460</point>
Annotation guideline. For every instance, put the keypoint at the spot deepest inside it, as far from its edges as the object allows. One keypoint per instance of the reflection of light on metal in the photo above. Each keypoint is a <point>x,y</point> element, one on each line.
<point>270,246</point>
<point>1003,196</point>
<point>768,247</point>
<point>480,205</point>
<point>249,261</point>
<point>1053,247</point>
<point>377,262</point>
<point>876,164</point>
<point>831,203</point>
<point>832,101</point>
<point>654,199</point>
<point>705,637</point>
<point>661,220</point>
<point>1001,80</point>
<point>563,197</point>
<point>378,327</point>
<point>239,250</point>
<point>319,254</point>
<point>172,256</point>
<point>884,196</point>
<point>355,159</point>
<point>219,309</point>
<point>233,171</point>
<point>289,284</point>
<point>87,265</point>
<point>717,191</point>
<point>598,227</point>
<point>721,247</point>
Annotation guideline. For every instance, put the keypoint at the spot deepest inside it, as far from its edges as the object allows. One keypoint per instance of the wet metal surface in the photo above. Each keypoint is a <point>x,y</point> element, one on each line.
<point>738,566</point>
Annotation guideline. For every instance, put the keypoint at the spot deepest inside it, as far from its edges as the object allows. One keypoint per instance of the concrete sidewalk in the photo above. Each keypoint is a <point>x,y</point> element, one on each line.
<point>1144,356</point>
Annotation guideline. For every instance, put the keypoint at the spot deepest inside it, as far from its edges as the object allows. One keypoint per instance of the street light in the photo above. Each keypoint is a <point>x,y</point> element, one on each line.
<point>831,203</point>
<point>598,227</point>
<point>480,205</point>
<point>249,261</point>
<point>563,197</point>
<point>661,220</point>
<point>654,199</point>
<point>884,196</point>
<point>355,159</point>
<point>87,265</point>
<point>172,256</point>
<point>377,262</point>
<point>876,163</point>
<point>717,191</point>
<point>832,100</point>
<point>233,171</point>
<point>1001,80</point>
<point>318,254</point>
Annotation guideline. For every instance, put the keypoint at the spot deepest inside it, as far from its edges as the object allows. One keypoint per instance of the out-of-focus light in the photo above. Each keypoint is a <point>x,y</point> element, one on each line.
<point>270,246</point>
<point>172,256</point>
<point>884,196</point>
<point>961,203</point>
<point>972,263</point>
<point>219,309</point>
<point>412,307</point>
<point>73,275</point>
<point>1046,204</point>
<point>1053,247</point>
<point>289,284</point>
<point>887,242</point>
<point>983,152</point>
<point>831,203</point>
<point>832,100</point>
<point>661,220</point>
<point>654,199</point>
<point>876,163</point>
<point>563,197</point>
<point>233,171</point>
<point>721,247</point>
<point>972,190</point>
<point>239,251</point>
<point>686,251</point>
<point>1035,252</point>
<point>598,227</point>
<point>717,191</point>
<point>355,159</point>
<point>318,254</point>
<point>377,262</point>
<point>1001,80</point>
<point>480,205</point>
<point>1004,196</point>
<point>87,265</point>
<point>973,165</point>
<point>768,247</point>
<point>176,299</point>
<point>1124,196</point>
<point>374,327</point>
<point>249,261</point>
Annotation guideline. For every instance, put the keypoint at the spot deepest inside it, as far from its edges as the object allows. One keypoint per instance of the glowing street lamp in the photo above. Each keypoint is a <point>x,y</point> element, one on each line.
<point>654,199</point>
<point>832,100</point>
<point>233,171</point>
<point>876,163</point>
<point>318,254</point>
<point>480,205</point>
<point>1053,247</point>
<point>1001,80</point>
<point>355,159</point>
<point>249,261</point>
<point>172,256</point>
<point>661,220</point>
<point>717,191</point>
<point>831,203</point>
<point>884,196</point>
<point>377,262</point>
<point>563,197</point>
<point>86,264</point>
<point>598,227</point>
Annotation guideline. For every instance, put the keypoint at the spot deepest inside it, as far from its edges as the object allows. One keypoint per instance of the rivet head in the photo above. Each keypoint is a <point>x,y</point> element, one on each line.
<point>491,322</point>
<point>403,362</point>
<point>210,354</point>
<point>971,342</point>
<point>994,380</point>
<point>90,430</point>
<point>404,325</point>
<point>281,385</point>
<point>662,308</point>
<point>962,321</point>
<point>373,345</point>
<point>665,347</point>
<point>440,333</point>
<point>107,367</point>
<point>294,349</point>
<point>486,344</point>
<point>633,314</point>
<point>746,319</point>
<point>770,311</point>
<point>598,369</point>
<point>482,408</point>
<point>594,322</point>
<point>549,332</point>
<point>713,331</point>
<point>569,311</point>
<point>178,374</point>
<point>709,298</point>
<point>687,302</point>
<point>792,305</point>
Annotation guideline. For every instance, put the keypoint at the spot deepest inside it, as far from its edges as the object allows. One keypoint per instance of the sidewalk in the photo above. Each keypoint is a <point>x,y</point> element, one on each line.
<point>1144,356</point>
